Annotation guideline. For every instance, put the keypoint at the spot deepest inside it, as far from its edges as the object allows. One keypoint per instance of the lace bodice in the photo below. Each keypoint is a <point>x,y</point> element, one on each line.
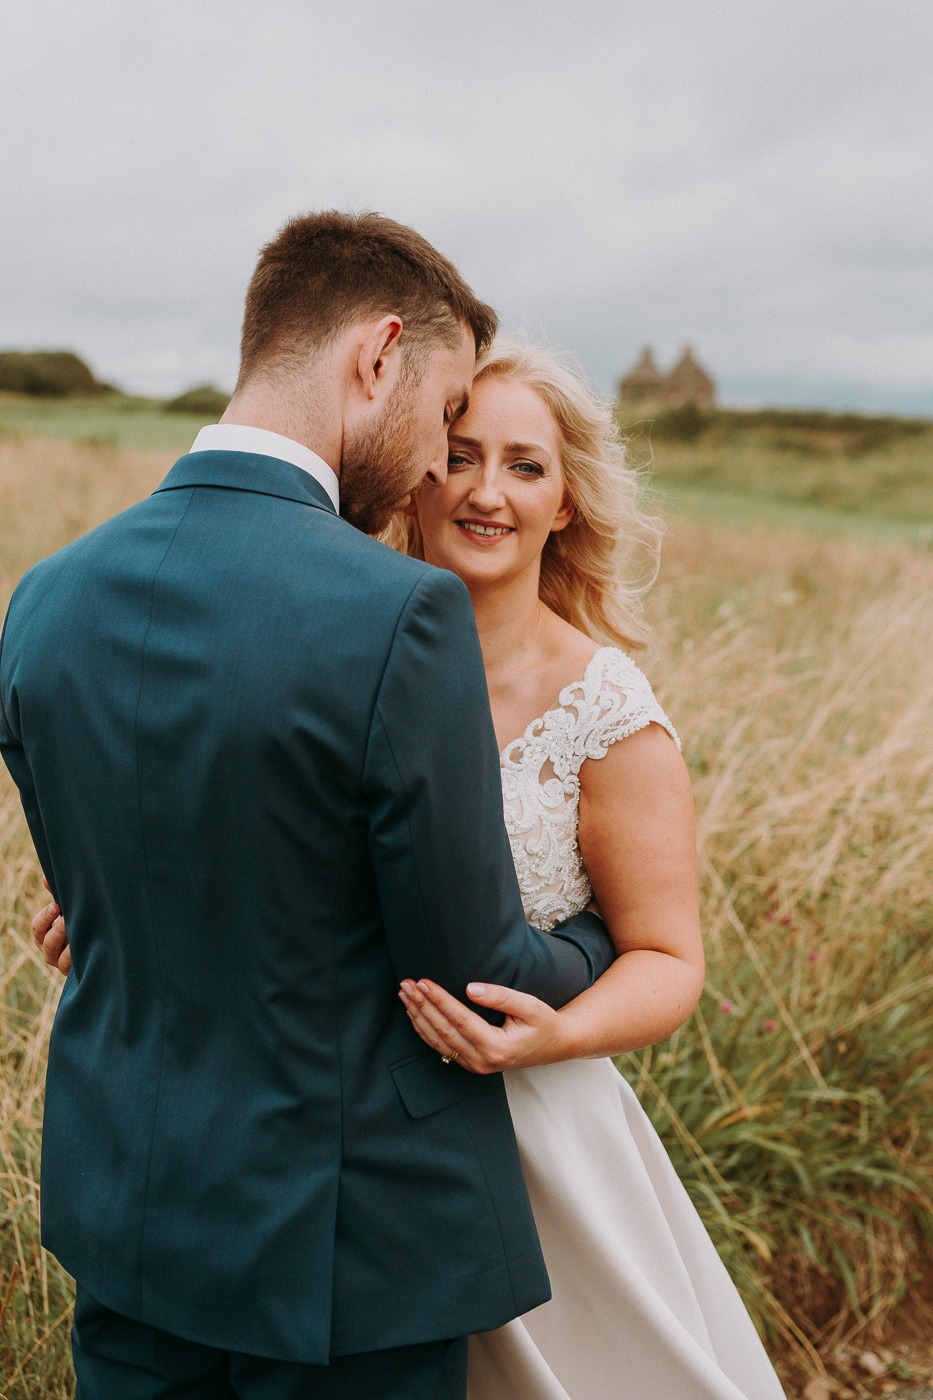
<point>541,779</point>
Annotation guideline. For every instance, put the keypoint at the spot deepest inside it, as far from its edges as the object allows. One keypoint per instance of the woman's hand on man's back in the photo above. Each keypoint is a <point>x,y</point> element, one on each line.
<point>51,938</point>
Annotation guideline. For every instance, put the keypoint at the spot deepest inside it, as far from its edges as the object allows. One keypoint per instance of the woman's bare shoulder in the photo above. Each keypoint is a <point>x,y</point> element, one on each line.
<point>570,650</point>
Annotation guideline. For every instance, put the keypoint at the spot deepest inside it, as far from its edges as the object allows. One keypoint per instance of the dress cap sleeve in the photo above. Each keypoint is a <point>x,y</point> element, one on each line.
<point>614,700</point>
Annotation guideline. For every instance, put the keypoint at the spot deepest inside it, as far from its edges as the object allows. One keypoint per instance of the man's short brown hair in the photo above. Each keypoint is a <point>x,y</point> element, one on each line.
<point>326,271</point>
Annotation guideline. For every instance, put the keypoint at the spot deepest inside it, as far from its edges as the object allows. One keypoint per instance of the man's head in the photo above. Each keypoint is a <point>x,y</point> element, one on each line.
<point>360,322</point>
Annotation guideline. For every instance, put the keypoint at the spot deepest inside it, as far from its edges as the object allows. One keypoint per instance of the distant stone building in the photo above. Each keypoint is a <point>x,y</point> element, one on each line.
<point>644,383</point>
<point>686,383</point>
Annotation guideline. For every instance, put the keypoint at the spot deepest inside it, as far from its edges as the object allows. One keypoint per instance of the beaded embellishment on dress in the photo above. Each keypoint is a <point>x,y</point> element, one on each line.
<point>541,779</point>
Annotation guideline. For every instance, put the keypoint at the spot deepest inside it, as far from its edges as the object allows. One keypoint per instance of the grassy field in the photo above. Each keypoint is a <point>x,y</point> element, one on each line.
<point>107,420</point>
<point>838,474</point>
<point>796,1102</point>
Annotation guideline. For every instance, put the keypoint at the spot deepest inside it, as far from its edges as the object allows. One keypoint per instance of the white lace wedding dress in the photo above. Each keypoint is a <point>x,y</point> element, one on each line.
<point>643,1308</point>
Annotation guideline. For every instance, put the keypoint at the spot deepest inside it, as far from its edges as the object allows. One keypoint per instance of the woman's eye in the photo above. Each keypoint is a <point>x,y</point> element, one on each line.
<point>454,460</point>
<point>530,469</point>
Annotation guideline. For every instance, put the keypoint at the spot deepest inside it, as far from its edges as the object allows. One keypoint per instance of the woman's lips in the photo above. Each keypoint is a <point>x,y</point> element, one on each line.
<point>484,533</point>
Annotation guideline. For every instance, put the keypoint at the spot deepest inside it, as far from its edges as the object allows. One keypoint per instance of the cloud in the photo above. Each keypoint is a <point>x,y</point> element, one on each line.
<point>755,179</point>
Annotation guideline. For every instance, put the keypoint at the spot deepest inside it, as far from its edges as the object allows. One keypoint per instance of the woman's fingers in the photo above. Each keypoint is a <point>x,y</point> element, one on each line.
<point>433,1023</point>
<point>530,1033</point>
<point>451,1018</point>
<point>451,1028</point>
<point>445,1043</point>
<point>520,1006</point>
<point>43,921</point>
<point>438,1040</point>
<point>51,937</point>
<point>55,944</point>
<point>517,1005</point>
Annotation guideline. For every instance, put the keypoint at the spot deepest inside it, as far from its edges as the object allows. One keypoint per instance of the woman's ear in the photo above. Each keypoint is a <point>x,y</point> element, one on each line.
<point>564,516</point>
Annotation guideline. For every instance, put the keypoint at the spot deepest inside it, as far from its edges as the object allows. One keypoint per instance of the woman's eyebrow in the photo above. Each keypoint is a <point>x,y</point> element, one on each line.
<point>534,448</point>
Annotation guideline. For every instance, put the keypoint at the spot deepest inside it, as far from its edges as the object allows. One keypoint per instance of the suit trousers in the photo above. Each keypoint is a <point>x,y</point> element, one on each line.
<point>116,1358</point>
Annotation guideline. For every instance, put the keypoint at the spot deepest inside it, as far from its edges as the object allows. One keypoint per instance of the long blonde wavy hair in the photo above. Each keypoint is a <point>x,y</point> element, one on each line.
<point>595,572</point>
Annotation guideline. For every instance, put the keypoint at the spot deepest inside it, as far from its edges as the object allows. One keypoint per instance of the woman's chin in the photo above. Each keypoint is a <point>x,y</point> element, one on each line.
<point>472,565</point>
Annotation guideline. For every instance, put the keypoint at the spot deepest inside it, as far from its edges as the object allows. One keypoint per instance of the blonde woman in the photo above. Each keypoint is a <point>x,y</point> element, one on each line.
<point>539,517</point>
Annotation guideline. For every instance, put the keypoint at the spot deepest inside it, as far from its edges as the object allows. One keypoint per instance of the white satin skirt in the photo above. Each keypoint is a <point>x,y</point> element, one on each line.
<point>642,1306</point>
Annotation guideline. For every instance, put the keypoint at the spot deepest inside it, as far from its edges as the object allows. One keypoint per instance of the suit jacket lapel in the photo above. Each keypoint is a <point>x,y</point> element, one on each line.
<point>248,471</point>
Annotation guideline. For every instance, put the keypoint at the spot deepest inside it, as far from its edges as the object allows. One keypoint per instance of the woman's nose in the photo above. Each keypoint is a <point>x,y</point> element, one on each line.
<point>486,493</point>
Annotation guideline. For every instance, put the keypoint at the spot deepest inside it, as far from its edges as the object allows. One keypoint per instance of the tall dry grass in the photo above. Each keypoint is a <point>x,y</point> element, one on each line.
<point>796,1101</point>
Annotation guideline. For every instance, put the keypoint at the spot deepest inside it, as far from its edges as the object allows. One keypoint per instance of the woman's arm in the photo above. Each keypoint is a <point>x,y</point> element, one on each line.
<point>638,844</point>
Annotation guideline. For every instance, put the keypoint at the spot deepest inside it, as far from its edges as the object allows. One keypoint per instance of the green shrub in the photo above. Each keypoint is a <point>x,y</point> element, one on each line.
<point>684,423</point>
<point>808,432</point>
<point>47,373</point>
<point>205,399</point>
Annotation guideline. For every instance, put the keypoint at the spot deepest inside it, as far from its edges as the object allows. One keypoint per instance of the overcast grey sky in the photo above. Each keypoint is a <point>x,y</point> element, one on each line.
<point>754,176</point>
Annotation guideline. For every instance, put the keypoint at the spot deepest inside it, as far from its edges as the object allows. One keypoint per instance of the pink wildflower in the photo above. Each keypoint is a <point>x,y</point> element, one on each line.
<point>811,956</point>
<point>770,1025</point>
<point>726,1006</point>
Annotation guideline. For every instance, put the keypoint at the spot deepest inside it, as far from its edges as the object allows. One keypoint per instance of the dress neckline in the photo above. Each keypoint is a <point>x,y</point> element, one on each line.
<point>526,735</point>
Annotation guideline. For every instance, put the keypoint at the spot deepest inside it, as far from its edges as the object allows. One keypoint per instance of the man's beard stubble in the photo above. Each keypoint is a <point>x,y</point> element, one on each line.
<point>376,466</point>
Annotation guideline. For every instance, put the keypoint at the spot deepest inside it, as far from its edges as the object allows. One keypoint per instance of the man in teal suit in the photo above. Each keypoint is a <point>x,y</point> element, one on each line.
<point>256,757</point>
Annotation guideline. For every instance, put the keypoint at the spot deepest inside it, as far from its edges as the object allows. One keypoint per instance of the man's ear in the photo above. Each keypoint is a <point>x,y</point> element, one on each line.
<point>379,358</point>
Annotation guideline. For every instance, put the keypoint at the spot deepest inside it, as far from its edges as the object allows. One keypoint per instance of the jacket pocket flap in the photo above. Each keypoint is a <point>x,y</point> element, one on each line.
<point>426,1084</point>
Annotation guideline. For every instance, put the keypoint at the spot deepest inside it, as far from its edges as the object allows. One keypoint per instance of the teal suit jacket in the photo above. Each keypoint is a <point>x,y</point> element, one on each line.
<point>255,753</point>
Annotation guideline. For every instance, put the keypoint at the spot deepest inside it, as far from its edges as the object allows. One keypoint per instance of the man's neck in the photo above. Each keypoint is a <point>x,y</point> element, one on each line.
<point>260,406</point>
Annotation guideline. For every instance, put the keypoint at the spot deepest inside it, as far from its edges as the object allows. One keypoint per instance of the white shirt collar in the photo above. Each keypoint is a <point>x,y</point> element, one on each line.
<point>238,437</point>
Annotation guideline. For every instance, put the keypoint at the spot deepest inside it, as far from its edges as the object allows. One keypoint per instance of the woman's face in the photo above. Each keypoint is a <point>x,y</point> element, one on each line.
<point>505,490</point>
